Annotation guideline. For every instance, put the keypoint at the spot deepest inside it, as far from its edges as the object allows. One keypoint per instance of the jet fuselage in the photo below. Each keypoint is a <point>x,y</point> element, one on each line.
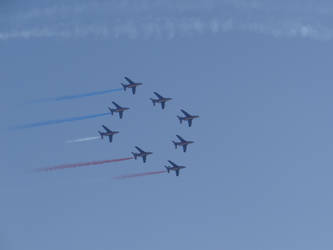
<point>162,100</point>
<point>190,117</point>
<point>133,85</point>
<point>119,109</point>
<point>176,168</point>
<point>109,133</point>
<point>184,143</point>
<point>143,154</point>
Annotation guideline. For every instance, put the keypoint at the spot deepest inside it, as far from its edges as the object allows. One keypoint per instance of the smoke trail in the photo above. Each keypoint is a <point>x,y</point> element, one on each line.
<point>51,122</point>
<point>82,164</point>
<point>71,97</point>
<point>139,175</point>
<point>84,139</point>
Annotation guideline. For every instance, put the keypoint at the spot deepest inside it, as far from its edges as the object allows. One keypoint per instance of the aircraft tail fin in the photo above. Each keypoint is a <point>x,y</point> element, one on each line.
<point>167,168</point>
<point>180,119</point>
<point>101,134</point>
<point>124,86</point>
<point>111,110</point>
<point>154,102</point>
<point>135,155</point>
<point>175,144</point>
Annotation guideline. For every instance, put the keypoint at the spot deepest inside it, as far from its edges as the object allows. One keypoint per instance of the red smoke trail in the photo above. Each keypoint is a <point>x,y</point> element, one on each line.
<point>139,175</point>
<point>83,164</point>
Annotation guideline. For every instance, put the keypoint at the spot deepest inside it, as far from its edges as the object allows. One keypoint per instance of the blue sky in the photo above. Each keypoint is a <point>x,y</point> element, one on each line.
<point>257,72</point>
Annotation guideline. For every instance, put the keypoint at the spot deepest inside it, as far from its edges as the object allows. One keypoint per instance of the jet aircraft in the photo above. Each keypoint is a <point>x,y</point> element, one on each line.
<point>118,109</point>
<point>109,133</point>
<point>174,167</point>
<point>141,153</point>
<point>182,143</point>
<point>160,99</point>
<point>187,117</point>
<point>131,85</point>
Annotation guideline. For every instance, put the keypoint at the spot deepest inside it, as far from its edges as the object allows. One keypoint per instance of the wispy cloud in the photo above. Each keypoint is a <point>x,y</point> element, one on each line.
<point>147,19</point>
<point>171,28</point>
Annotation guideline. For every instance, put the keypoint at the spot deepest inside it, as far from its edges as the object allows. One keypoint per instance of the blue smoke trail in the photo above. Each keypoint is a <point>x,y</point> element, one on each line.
<point>51,122</point>
<point>71,97</point>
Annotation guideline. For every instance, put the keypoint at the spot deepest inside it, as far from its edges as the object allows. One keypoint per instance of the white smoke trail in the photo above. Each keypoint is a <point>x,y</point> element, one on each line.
<point>83,139</point>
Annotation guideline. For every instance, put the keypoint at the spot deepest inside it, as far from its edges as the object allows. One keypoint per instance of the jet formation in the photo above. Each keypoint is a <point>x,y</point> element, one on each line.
<point>159,100</point>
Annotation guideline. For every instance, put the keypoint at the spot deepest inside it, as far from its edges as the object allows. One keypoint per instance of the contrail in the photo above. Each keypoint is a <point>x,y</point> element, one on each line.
<point>139,175</point>
<point>84,139</point>
<point>71,97</point>
<point>51,122</point>
<point>82,164</point>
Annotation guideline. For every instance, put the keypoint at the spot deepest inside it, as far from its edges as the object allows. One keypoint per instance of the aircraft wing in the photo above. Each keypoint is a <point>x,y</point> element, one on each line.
<point>180,138</point>
<point>139,149</point>
<point>115,104</point>
<point>184,148</point>
<point>144,158</point>
<point>121,114</point>
<point>158,95</point>
<point>177,172</point>
<point>172,163</point>
<point>185,113</point>
<point>110,138</point>
<point>163,105</point>
<point>133,90</point>
<point>108,130</point>
<point>129,80</point>
<point>189,123</point>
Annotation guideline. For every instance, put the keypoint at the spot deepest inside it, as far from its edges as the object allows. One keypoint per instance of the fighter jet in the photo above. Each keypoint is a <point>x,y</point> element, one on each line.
<point>182,143</point>
<point>187,117</point>
<point>174,167</point>
<point>118,109</point>
<point>141,153</point>
<point>132,85</point>
<point>108,133</point>
<point>160,99</point>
